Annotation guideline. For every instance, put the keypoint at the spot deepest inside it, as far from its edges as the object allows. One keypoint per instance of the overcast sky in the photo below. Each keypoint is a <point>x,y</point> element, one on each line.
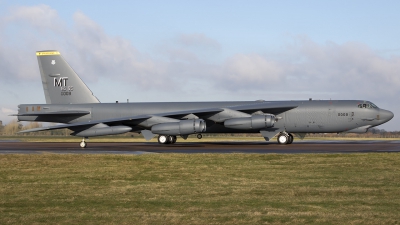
<point>206,50</point>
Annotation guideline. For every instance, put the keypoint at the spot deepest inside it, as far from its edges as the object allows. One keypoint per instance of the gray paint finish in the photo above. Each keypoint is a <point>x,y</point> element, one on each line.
<point>308,117</point>
<point>71,102</point>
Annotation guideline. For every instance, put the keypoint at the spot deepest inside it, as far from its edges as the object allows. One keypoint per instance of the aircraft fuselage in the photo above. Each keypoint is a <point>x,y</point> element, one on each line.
<point>71,102</point>
<point>317,116</point>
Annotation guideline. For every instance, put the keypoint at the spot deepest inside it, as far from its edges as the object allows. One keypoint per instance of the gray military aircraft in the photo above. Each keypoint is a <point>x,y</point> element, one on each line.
<point>70,101</point>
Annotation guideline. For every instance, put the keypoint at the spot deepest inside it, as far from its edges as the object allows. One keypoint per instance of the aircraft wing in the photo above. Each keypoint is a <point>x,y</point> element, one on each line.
<point>112,121</point>
<point>84,124</point>
<point>266,107</point>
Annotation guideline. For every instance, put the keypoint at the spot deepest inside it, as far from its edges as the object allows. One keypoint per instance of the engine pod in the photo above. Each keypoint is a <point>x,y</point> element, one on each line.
<point>93,132</point>
<point>253,122</point>
<point>183,127</point>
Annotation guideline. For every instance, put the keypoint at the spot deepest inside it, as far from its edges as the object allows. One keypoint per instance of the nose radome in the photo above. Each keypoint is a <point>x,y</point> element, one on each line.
<point>386,115</point>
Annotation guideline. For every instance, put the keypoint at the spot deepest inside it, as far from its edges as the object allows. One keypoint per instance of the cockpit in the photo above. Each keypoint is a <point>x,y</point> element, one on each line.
<point>367,105</point>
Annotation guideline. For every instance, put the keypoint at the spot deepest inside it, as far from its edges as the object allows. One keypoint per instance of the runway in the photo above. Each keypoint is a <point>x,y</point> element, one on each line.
<point>200,147</point>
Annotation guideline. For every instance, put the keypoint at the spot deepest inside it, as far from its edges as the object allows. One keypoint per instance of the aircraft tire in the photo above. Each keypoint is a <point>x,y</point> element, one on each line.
<point>283,139</point>
<point>163,139</point>
<point>290,139</point>
<point>199,136</point>
<point>83,144</point>
<point>173,139</point>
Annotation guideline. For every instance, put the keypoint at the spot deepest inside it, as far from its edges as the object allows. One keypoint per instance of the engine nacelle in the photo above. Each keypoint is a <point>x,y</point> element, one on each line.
<point>253,122</point>
<point>93,132</point>
<point>183,127</point>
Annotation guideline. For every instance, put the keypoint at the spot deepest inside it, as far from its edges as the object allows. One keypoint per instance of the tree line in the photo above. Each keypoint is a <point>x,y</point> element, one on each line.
<point>14,127</point>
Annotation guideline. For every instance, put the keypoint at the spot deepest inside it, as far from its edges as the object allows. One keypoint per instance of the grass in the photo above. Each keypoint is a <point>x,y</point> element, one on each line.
<point>200,189</point>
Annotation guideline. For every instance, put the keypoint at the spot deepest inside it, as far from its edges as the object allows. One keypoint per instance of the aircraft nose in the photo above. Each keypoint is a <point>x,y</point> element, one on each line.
<point>386,115</point>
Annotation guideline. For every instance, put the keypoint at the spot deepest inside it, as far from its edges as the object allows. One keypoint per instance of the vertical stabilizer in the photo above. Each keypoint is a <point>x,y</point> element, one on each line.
<point>61,84</point>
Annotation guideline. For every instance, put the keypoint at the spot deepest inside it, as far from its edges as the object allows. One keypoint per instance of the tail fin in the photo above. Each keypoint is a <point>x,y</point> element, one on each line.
<point>60,82</point>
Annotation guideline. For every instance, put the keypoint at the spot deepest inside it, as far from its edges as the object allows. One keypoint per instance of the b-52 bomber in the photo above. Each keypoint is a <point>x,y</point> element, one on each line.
<point>70,102</point>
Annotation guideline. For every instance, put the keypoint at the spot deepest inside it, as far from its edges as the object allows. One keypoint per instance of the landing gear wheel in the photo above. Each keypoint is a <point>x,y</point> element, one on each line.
<point>162,139</point>
<point>83,144</point>
<point>290,139</point>
<point>173,140</point>
<point>199,136</point>
<point>283,139</point>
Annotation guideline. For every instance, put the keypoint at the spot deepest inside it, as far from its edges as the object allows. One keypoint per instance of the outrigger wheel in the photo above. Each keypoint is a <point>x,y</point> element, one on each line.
<point>83,143</point>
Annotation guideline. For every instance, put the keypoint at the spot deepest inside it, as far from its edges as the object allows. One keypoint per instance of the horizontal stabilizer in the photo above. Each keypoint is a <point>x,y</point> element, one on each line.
<point>57,113</point>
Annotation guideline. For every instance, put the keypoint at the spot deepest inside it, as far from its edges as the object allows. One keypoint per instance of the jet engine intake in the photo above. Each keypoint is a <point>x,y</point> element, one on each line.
<point>183,127</point>
<point>253,122</point>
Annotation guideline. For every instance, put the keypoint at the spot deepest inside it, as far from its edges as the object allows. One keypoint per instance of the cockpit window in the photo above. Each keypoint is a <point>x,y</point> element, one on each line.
<point>373,105</point>
<point>367,105</point>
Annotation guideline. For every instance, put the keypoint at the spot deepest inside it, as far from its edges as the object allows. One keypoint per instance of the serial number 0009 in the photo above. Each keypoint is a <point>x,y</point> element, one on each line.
<point>346,114</point>
<point>65,93</point>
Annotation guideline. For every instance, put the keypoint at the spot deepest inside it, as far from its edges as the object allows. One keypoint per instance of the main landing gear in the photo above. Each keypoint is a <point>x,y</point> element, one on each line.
<point>171,139</point>
<point>166,139</point>
<point>285,138</point>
